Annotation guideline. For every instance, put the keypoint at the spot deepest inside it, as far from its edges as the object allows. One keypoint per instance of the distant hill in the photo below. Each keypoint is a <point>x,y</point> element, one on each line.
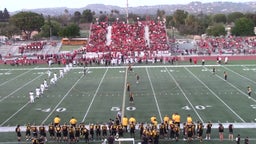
<point>193,7</point>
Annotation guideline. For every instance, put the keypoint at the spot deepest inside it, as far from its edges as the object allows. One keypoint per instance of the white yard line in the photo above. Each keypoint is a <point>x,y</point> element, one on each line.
<point>242,92</point>
<point>184,94</point>
<point>5,97</point>
<point>88,109</point>
<point>14,114</point>
<point>8,80</point>
<point>239,74</point>
<point>124,94</point>
<point>15,77</point>
<point>154,94</point>
<point>53,110</point>
<point>215,95</point>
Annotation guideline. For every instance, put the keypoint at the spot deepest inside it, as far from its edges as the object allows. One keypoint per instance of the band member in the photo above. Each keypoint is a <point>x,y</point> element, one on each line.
<point>51,131</point>
<point>213,70</point>
<point>137,78</point>
<point>225,75</point>
<point>18,132</point>
<point>28,132</point>
<point>131,98</point>
<point>58,133</point>
<point>128,86</point>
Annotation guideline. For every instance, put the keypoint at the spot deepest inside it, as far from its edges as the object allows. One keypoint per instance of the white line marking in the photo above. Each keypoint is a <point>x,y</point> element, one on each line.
<point>239,74</point>
<point>88,109</point>
<point>215,95</point>
<point>124,94</point>
<point>154,94</point>
<point>62,99</point>
<point>242,92</point>
<point>14,77</point>
<point>14,114</point>
<point>184,94</point>
<point>5,97</point>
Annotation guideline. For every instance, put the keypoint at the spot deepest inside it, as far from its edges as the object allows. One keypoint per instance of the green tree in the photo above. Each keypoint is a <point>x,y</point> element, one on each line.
<point>102,18</point>
<point>1,16</point>
<point>217,29</point>
<point>8,30</point>
<point>204,22</point>
<point>27,22</point>
<point>169,21</point>
<point>6,15</point>
<point>87,16</point>
<point>51,28</point>
<point>243,27</point>
<point>160,13</point>
<point>220,18</point>
<point>251,16</point>
<point>179,17</point>
<point>232,17</point>
<point>191,25</point>
<point>70,31</point>
<point>134,17</point>
<point>77,17</point>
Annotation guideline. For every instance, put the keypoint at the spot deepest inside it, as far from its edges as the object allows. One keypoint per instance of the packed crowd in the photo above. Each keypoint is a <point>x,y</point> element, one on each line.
<point>231,45</point>
<point>97,38</point>
<point>33,46</point>
<point>123,37</point>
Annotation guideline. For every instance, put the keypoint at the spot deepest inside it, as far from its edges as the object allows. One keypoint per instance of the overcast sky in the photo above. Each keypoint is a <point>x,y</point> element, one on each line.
<point>14,5</point>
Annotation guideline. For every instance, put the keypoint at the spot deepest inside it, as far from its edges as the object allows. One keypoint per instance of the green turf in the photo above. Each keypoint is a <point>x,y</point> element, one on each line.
<point>163,89</point>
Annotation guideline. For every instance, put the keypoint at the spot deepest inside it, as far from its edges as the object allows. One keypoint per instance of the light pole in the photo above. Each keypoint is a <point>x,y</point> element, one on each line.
<point>127,14</point>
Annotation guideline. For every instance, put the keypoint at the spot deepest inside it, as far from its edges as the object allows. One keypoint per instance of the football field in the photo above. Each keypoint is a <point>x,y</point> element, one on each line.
<point>97,95</point>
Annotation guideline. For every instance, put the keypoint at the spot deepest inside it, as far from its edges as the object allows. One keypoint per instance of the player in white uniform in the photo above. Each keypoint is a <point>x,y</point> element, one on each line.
<point>37,92</point>
<point>31,97</point>
<point>67,68</point>
<point>61,73</point>
<point>45,84</point>
<point>52,81</point>
<point>49,73</point>
<point>70,65</point>
<point>42,89</point>
<point>55,77</point>
<point>226,60</point>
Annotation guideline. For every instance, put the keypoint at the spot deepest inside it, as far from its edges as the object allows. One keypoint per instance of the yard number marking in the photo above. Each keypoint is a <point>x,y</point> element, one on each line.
<point>6,73</point>
<point>249,69</point>
<point>61,109</point>
<point>198,107</point>
<point>129,108</point>
<point>253,106</point>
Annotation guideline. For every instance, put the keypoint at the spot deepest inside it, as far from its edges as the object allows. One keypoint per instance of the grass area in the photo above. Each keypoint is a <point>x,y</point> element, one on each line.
<point>84,33</point>
<point>163,90</point>
<point>69,47</point>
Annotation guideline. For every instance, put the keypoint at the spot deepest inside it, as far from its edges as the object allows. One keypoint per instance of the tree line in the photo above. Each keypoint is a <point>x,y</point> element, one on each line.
<point>69,25</point>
